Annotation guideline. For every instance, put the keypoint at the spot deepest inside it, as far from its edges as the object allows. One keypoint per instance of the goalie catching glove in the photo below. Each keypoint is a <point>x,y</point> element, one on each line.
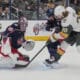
<point>28,45</point>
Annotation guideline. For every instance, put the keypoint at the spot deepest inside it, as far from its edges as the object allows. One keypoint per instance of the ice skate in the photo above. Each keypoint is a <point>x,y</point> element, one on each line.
<point>22,61</point>
<point>13,61</point>
<point>51,63</point>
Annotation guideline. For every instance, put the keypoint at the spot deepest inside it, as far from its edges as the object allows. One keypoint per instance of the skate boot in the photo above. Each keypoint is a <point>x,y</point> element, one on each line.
<point>22,61</point>
<point>51,63</point>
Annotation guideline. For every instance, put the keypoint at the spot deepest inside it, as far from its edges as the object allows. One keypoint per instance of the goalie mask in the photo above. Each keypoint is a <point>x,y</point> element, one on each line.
<point>23,22</point>
<point>28,45</point>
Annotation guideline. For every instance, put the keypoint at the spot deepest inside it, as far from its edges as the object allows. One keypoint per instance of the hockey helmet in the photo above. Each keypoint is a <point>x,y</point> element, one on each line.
<point>59,10</point>
<point>71,10</point>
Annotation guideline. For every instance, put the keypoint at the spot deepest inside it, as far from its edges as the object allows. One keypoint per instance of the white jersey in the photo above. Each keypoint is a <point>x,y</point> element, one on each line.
<point>72,19</point>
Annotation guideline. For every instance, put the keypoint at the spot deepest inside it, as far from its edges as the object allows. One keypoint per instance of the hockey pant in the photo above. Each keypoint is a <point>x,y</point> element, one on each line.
<point>52,48</point>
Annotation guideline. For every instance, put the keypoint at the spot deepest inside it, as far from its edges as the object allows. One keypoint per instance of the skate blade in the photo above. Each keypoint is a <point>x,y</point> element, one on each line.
<point>54,65</point>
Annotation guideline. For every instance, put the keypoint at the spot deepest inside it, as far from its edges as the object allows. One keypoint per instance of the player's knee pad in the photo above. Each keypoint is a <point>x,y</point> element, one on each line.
<point>62,48</point>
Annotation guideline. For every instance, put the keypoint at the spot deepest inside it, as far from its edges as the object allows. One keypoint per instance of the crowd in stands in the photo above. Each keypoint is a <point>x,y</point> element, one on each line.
<point>32,9</point>
<point>4,9</point>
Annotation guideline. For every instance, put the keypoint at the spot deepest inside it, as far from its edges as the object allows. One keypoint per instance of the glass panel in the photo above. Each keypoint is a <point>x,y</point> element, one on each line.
<point>76,5</point>
<point>32,9</point>
<point>35,9</point>
<point>4,9</point>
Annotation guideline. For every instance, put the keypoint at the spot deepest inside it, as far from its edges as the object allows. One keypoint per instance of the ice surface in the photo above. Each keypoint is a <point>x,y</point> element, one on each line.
<point>37,71</point>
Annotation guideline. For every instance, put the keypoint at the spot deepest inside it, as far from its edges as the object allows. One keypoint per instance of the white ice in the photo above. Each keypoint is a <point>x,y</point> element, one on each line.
<point>37,71</point>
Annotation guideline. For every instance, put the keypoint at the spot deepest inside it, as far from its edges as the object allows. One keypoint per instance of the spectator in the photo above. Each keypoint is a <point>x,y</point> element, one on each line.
<point>0,12</point>
<point>6,14</point>
<point>5,3</point>
<point>75,4</point>
<point>42,14</point>
<point>50,9</point>
<point>44,1</point>
<point>50,4</point>
<point>20,5</point>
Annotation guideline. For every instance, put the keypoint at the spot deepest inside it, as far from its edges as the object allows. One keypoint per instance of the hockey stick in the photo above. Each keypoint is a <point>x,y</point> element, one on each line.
<point>36,55</point>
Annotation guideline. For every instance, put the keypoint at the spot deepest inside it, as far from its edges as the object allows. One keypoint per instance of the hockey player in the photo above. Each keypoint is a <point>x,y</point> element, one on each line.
<point>14,36</point>
<point>9,55</point>
<point>69,34</point>
<point>49,25</point>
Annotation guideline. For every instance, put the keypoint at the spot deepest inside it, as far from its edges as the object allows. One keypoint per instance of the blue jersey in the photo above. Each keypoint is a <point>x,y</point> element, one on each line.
<point>15,36</point>
<point>15,26</point>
